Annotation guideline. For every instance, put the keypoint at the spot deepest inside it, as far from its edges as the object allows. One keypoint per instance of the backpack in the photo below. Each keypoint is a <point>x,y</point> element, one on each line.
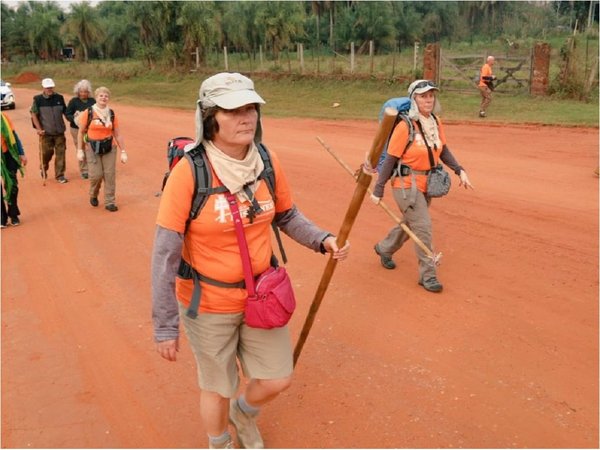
<point>203,189</point>
<point>402,105</point>
<point>175,151</point>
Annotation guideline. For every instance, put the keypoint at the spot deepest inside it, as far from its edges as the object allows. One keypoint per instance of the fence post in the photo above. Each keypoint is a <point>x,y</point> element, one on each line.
<point>260,56</point>
<point>371,54</point>
<point>197,58</point>
<point>415,55</point>
<point>225,59</point>
<point>352,57</point>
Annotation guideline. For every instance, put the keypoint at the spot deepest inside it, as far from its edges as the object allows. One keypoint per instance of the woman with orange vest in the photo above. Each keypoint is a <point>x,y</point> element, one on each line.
<point>228,131</point>
<point>99,134</point>
<point>408,167</point>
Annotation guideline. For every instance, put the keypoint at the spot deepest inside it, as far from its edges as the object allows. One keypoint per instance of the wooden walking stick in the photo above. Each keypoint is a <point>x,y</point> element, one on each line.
<point>362,183</point>
<point>42,161</point>
<point>435,257</point>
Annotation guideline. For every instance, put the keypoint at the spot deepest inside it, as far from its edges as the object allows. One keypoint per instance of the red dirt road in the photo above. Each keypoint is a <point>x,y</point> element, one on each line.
<point>506,356</point>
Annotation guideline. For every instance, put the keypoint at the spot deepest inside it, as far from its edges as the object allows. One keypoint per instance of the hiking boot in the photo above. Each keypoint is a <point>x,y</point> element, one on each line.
<point>93,201</point>
<point>85,176</point>
<point>62,180</point>
<point>111,208</point>
<point>245,426</point>
<point>15,222</point>
<point>386,261</point>
<point>227,444</point>
<point>431,284</point>
<point>481,113</point>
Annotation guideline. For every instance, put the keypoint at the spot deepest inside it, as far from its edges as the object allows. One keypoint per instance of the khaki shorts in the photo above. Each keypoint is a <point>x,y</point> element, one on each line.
<point>217,340</point>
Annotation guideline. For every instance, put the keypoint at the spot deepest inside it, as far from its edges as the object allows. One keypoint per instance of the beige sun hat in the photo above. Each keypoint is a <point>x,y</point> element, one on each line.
<point>227,90</point>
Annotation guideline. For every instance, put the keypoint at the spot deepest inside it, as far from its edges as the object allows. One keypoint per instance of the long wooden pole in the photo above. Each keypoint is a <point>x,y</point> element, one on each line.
<point>435,257</point>
<point>362,184</point>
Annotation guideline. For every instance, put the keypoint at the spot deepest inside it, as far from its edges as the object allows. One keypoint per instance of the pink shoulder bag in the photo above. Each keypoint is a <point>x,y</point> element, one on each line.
<point>271,301</point>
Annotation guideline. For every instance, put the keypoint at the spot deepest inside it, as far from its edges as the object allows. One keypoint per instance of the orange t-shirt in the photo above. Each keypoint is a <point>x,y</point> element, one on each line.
<point>97,131</point>
<point>416,156</point>
<point>486,71</point>
<point>211,239</point>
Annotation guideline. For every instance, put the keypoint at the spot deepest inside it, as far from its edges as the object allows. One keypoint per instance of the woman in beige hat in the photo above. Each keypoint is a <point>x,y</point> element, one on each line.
<point>228,132</point>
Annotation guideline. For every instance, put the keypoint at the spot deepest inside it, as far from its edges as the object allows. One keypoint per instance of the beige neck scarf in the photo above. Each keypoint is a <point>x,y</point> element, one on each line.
<point>430,129</point>
<point>103,114</point>
<point>235,173</point>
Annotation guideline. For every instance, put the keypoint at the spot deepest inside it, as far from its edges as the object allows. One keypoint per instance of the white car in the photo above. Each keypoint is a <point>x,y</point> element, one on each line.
<point>7,96</point>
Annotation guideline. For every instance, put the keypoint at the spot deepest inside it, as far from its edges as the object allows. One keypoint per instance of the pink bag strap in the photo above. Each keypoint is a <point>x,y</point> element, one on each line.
<point>241,238</point>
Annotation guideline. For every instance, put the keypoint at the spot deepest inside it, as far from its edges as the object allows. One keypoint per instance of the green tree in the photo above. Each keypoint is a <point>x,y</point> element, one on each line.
<point>282,23</point>
<point>83,23</point>
<point>43,30</point>
<point>200,25</point>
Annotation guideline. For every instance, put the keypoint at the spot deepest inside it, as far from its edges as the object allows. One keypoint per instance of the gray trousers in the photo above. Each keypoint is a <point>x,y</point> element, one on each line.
<point>102,167</point>
<point>416,216</point>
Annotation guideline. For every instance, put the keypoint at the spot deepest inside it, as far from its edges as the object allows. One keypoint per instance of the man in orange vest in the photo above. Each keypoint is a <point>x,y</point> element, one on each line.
<point>486,86</point>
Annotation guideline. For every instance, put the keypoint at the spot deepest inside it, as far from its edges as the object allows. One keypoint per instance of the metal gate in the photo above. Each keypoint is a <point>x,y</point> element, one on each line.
<point>461,73</point>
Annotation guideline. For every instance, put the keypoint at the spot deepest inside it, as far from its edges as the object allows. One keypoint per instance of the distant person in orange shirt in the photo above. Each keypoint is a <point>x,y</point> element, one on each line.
<point>228,128</point>
<point>486,85</point>
<point>99,134</point>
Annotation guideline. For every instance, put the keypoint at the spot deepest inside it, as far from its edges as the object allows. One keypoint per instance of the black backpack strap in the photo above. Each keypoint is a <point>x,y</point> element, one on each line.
<point>202,189</point>
<point>268,175</point>
<point>202,181</point>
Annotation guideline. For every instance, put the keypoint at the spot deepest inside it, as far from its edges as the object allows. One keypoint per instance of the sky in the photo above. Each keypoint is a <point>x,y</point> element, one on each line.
<point>64,4</point>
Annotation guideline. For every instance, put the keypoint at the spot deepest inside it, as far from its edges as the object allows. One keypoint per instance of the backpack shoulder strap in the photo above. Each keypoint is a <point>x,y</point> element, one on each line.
<point>90,116</point>
<point>202,181</point>
<point>411,133</point>
<point>268,173</point>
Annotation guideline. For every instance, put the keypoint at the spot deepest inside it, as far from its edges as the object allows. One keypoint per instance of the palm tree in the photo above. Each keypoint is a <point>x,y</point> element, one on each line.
<point>43,29</point>
<point>281,22</point>
<point>83,23</point>
<point>200,25</point>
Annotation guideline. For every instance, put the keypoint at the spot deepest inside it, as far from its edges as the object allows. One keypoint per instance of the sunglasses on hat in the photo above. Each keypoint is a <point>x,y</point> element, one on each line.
<point>422,84</point>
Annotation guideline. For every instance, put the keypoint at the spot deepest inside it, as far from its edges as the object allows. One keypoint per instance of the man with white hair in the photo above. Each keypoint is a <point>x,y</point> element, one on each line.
<point>486,85</point>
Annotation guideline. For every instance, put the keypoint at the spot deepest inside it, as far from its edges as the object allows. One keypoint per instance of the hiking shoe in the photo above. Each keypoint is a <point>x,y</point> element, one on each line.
<point>15,222</point>
<point>431,284</point>
<point>245,426</point>
<point>227,444</point>
<point>481,113</point>
<point>386,261</point>
<point>62,180</point>
<point>85,176</point>
<point>93,201</point>
<point>111,208</point>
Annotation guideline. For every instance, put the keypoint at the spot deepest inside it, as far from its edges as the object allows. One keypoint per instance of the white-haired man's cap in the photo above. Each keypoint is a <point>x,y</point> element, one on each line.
<point>48,83</point>
<point>420,87</point>
<point>228,91</point>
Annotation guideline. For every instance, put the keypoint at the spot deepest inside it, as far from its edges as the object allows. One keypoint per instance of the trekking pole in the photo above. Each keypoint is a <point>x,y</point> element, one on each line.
<point>435,257</point>
<point>42,161</point>
<point>363,180</point>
